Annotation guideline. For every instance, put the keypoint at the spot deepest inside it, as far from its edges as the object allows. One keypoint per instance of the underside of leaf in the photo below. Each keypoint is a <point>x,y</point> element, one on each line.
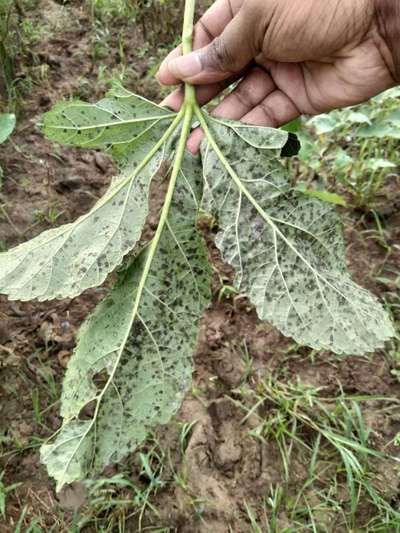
<point>286,248</point>
<point>141,345</point>
<point>117,119</point>
<point>132,364</point>
<point>64,261</point>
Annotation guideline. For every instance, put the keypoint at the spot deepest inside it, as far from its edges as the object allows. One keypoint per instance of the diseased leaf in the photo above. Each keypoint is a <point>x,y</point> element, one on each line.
<point>119,118</point>
<point>287,250</point>
<point>132,364</point>
<point>63,457</point>
<point>258,137</point>
<point>140,344</point>
<point>264,137</point>
<point>64,261</point>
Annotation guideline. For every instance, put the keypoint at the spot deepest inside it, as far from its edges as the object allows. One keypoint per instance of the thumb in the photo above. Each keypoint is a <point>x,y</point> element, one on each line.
<point>226,55</point>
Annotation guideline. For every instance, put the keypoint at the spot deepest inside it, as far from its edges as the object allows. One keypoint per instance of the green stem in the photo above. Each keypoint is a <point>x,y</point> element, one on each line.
<point>189,104</point>
<point>180,152</point>
<point>187,46</point>
<point>187,30</point>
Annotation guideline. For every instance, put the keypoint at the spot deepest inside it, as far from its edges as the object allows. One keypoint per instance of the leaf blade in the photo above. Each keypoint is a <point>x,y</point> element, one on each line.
<point>65,261</point>
<point>119,118</point>
<point>294,274</point>
<point>148,355</point>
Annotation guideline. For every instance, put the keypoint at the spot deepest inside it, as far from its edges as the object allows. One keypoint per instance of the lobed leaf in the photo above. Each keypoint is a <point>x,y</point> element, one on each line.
<point>139,344</point>
<point>287,250</point>
<point>132,364</point>
<point>64,261</point>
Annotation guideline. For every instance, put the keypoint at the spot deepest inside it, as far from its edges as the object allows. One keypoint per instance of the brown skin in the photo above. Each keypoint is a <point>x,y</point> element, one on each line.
<point>293,57</point>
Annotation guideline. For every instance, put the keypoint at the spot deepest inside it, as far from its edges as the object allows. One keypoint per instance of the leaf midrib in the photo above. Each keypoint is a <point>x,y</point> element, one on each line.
<point>110,124</point>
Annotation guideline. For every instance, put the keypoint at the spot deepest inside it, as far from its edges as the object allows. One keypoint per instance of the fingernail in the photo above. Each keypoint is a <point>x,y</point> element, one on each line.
<point>185,66</point>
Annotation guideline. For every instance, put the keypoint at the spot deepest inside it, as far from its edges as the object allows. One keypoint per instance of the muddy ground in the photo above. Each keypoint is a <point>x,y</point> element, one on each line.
<point>224,466</point>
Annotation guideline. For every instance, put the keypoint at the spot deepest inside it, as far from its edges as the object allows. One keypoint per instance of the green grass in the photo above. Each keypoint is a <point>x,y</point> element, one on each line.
<point>18,33</point>
<point>5,490</point>
<point>330,435</point>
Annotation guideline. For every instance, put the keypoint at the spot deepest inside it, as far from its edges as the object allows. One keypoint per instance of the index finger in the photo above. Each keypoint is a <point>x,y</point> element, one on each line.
<point>210,25</point>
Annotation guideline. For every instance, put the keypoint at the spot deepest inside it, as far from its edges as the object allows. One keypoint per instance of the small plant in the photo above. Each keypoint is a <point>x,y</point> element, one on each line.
<point>366,162</point>
<point>6,56</point>
<point>132,365</point>
<point>4,492</point>
<point>7,125</point>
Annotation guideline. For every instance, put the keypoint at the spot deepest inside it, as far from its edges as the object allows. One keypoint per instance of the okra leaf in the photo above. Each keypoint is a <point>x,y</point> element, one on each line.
<point>258,137</point>
<point>264,137</point>
<point>64,261</point>
<point>119,118</point>
<point>286,248</point>
<point>133,358</point>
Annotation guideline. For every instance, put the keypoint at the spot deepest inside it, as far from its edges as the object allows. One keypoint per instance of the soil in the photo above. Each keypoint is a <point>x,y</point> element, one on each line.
<point>224,464</point>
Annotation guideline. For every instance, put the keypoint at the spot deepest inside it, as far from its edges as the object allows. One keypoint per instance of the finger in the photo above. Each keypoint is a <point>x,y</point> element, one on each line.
<point>227,54</point>
<point>194,141</point>
<point>204,93</point>
<point>250,92</point>
<point>164,76</point>
<point>274,111</point>
<point>210,25</point>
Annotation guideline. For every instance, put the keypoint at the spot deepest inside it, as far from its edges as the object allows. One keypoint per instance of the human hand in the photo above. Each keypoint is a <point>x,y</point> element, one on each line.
<point>292,57</point>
